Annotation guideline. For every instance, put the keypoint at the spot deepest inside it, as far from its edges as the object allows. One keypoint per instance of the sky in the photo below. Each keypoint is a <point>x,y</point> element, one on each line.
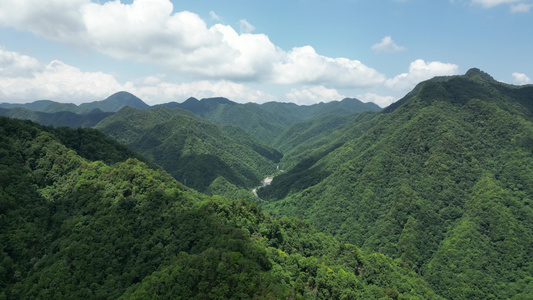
<point>301,51</point>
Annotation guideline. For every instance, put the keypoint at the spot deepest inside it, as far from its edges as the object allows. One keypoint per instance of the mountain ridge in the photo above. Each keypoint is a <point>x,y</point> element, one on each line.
<point>424,179</point>
<point>74,228</point>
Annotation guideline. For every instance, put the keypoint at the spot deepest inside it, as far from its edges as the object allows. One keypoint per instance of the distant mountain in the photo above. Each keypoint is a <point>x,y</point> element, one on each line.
<point>193,150</point>
<point>111,104</point>
<point>114,103</point>
<point>62,118</point>
<point>36,106</point>
<point>347,106</point>
<point>439,181</point>
<point>267,121</point>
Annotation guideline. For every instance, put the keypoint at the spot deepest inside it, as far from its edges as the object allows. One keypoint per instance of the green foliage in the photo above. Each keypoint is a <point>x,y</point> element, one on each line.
<point>60,118</point>
<point>441,182</point>
<point>266,122</point>
<point>74,229</point>
<point>194,151</point>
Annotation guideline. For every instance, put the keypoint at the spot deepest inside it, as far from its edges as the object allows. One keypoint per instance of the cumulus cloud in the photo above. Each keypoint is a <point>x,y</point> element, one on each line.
<point>382,101</point>
<point>521,78</point>
<point>13,64</point>
<point>58,81</point>
<point>387,45</point>
<point>313,94</point>
<point>153,92</point>
<point>24,78</point>
<point>55,19</point>
<point>180,42</point>
<point>419,71</point>
<point>304,65</point>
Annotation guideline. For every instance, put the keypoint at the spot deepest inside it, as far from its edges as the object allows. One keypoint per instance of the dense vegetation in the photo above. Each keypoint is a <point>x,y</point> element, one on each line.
<point>266,122</point>
<point>74,229</point>
<point>61,118</point>
<point>442,182</point>
<point>198,153</point>
<point>111,104</point>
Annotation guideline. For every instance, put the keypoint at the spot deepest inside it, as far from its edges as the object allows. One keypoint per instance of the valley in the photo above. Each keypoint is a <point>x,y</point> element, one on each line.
<point>429,198</point>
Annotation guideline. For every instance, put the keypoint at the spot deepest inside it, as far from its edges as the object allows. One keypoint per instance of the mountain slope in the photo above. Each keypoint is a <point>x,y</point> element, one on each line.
<point>441,182</point>
<point>77,229</point>
<point>194,151</point>
<point>61,118</point>
<point>111,104</point>
<point>267,121</point>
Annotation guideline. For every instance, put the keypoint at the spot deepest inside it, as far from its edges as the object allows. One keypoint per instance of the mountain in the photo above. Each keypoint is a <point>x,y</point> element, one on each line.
<point>193,150</point>
<point>267,121</point>
<point>111,104</point>
<point>347,106</point>
<point>441,182</point>
<point>61,118</point>
<point>74,228</point>
<point>38,105</point>
<point>114,103</point>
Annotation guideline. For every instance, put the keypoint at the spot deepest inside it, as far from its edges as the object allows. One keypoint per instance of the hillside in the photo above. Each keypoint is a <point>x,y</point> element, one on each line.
<point>193,150</point>
<point>111,104</point>
<point>74,229</point>
<point>441,181</point>
<point>266,122</point>
<point>61,118</point>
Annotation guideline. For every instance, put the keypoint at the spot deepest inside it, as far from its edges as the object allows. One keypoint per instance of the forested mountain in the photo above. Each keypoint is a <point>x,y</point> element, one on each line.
<point>76,229</point>
<point>111,104</point>
<point>61,118</point>
<point>198,153</point>
<point>441,181</point>
<point>38,105</point>
<point>266,122</point>
<point>269,120</point>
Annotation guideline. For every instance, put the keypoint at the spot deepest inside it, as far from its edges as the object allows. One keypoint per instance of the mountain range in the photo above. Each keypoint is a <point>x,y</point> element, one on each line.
<point>429,198</point>
<point>440,180</point>
<point>75,228</point>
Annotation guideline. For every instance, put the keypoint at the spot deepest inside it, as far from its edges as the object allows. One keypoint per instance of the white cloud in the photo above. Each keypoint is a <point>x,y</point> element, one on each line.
<point>521,78</point>
<point>492,3</point>
<point>214,16</point>
<point>313,94</point>
<point>245,26</point>
<point>382,101</point>
<point>149,31</point>
<point>58,81</point>
<point>419,71</point>
<point>55,19</point>
<point>521,8</point>
<point>160,92</point>
<point>304,65</point>
<point>23,79</point>
<point>13,64</point>
<point>387,45</point>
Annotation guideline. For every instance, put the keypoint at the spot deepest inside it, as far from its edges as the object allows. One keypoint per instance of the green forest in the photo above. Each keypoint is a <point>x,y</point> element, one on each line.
<point>441,183</point>
<point>76,228</point>
<point>429,198</point>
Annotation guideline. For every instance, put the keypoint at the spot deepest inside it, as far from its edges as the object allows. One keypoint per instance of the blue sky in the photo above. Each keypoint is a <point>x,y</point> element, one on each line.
<point>302,51</point>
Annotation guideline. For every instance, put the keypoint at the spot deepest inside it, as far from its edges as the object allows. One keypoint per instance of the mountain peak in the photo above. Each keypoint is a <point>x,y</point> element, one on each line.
<point>124,97</point>
<point>115,102</point>
<point>475,72</point>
